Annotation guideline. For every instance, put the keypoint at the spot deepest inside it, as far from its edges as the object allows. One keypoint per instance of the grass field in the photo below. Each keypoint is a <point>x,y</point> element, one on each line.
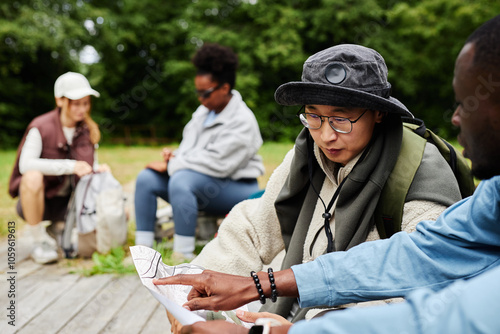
<point>125,162</point>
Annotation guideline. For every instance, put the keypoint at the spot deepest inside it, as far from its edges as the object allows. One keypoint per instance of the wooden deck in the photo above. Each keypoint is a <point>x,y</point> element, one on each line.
<point>51,299</point>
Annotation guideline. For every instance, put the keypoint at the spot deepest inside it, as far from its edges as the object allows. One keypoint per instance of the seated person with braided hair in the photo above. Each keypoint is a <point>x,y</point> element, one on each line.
<point>216,164</point>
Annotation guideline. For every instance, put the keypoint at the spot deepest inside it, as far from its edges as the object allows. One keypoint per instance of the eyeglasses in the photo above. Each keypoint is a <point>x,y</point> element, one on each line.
<point>339,124</point>
<point>205,94</point>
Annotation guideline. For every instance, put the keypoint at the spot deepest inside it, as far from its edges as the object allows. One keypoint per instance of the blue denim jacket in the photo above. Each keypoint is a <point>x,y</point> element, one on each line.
<point>464,242</point>
<point>461,308</point>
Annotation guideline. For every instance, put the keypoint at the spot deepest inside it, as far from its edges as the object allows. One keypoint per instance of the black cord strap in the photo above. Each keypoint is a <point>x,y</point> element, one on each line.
<point>259,287</point>
<point>327,215</point>
<point>274,291</point>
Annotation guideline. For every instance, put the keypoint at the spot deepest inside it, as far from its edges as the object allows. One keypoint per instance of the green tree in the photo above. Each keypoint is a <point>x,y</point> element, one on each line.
<point>420,41</point>
<point>38,41</point>
<point>144,49</point>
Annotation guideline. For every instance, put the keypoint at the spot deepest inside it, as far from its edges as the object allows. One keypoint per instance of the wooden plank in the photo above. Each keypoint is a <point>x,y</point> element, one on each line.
<point>7,329</point>
<point>21,289</point>
<point>24,287</point>
<point>106,303</point>
<point>29,305</point>
<point>22,252</point>
<point>28,267</point>
<point>158,322</point>
<point>34,275</point>
<point>55,302</point>
<point>49,300</point>
<point>67,306</point>
<point>136,311</point>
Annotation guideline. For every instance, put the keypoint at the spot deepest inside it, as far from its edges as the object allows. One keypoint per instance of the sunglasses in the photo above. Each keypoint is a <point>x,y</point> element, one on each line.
<point>205,94</point>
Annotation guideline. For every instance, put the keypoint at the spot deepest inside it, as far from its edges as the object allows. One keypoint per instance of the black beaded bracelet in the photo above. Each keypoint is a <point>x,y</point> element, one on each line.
<point>259,287</point>
<point>274,291</point>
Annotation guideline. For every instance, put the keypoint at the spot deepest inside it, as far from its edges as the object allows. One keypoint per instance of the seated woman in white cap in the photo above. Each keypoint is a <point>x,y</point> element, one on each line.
<point>57,149</point>
<point>324,195</point>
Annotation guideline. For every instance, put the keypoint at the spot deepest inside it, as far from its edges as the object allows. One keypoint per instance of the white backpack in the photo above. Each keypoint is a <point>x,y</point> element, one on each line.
<point>97,210</point>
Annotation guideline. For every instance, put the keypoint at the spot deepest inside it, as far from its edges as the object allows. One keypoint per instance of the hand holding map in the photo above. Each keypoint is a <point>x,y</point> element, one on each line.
<point>149,265</point>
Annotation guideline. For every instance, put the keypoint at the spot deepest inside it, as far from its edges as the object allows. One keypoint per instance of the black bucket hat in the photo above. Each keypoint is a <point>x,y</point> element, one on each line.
<point>345,75</point>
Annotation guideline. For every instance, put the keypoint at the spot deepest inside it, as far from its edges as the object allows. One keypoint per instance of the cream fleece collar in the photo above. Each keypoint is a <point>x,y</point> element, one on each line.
<point>335,173</point>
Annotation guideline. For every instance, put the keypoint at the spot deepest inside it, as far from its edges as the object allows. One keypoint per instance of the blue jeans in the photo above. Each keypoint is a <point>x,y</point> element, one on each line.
<point>188,192</point>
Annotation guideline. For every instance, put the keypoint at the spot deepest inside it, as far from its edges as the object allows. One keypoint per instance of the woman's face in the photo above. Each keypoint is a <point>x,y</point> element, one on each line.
<point>343,147</point>
<point>210,93</point>
<point>76,110</point>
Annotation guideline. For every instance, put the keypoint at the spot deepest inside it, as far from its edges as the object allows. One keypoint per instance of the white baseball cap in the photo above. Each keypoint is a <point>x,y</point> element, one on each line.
<point>74,86</point>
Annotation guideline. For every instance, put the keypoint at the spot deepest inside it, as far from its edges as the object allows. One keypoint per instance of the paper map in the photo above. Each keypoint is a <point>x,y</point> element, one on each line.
<point>149,265</point>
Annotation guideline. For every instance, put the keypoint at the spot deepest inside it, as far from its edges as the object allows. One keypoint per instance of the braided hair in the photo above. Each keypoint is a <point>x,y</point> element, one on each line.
<point>218,61</point>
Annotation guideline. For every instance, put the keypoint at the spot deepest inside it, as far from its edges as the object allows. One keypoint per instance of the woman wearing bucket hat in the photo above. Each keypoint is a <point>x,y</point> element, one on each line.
<point>57,149</point>
<point>323,197</point>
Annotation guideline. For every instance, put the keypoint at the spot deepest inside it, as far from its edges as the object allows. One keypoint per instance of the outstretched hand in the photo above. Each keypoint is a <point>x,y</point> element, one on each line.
<point>217,291</point>
<point>214,291</point>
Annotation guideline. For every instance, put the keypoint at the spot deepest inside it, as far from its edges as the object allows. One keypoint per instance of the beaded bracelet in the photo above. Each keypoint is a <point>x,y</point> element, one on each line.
<point>259,287</point>
<point>274,291</point>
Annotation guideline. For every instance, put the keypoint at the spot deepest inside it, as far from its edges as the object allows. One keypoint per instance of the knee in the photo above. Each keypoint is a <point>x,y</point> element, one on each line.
<point>31,181</point>
<point>144,179</point>
<point>179,183</point>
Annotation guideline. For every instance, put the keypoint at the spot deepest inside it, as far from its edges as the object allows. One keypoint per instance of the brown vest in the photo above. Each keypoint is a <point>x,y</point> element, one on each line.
<point>54,146</point>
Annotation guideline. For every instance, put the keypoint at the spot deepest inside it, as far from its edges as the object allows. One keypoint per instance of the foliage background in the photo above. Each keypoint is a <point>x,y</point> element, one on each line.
<point>144,47</point>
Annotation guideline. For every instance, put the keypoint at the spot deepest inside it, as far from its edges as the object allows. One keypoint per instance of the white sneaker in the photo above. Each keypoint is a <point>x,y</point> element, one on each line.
<point>45,252</point>
<point>44,246</point>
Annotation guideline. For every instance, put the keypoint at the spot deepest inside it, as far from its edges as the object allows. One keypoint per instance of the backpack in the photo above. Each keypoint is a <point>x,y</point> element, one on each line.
<point>389,212</point>
<point>97,210</point>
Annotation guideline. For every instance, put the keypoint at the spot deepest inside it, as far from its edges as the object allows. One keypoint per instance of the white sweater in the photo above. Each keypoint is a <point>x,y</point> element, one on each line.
<point>32,150</point>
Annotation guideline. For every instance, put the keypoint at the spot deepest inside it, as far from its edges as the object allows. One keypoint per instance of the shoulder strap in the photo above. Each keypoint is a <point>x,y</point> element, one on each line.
<point>455,159</point>
<point>445,148</point>
<point>72,215</point>
<point>389,212</point>
<point>66,245</point>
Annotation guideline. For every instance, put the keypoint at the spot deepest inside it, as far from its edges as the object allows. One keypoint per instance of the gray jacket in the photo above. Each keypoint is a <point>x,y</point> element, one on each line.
<point>226,148</point>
